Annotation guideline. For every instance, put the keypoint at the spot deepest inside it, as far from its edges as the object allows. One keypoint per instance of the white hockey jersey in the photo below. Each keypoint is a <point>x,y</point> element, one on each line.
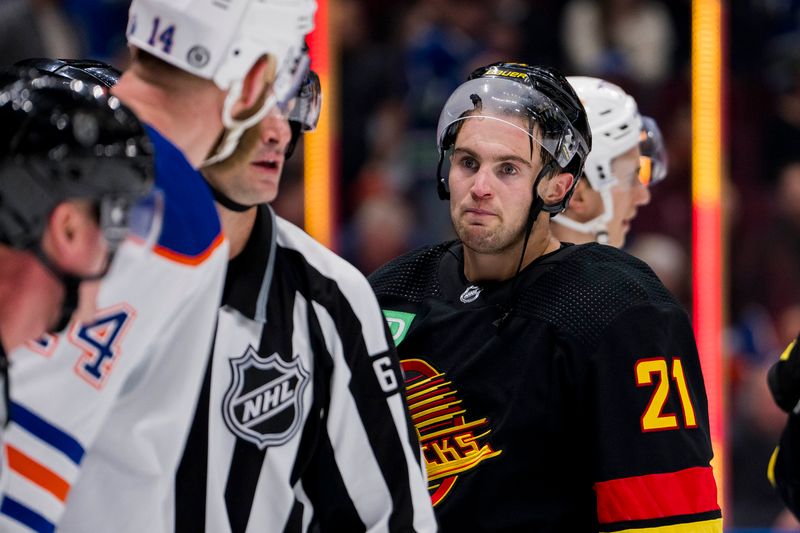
<point>99,414</point>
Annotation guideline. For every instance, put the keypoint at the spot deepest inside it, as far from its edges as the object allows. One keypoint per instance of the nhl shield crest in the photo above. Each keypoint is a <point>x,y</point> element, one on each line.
<point>264,403</point>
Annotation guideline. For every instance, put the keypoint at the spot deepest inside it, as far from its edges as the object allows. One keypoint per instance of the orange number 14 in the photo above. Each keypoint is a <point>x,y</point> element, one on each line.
<point>654,419</point>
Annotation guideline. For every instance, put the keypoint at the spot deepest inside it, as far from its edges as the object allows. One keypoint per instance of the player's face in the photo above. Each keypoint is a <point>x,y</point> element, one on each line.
<point>262,176</point>
<point>491,174</point>
<point>75,243</point>
<point>628,194</point>
<point>257,181</point>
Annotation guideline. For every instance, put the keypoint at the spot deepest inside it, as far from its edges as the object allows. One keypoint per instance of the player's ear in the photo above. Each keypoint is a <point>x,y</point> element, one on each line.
<point>255,85</point>
<point>61,230</point>
<point>557,187</point>
<point>579,203</point>
<point>69,237</point>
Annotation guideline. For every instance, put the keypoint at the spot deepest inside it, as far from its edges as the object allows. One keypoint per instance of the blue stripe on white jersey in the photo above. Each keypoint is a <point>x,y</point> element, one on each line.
<point>26,516</point>
<point>191,224</point>
<point>47,432</point>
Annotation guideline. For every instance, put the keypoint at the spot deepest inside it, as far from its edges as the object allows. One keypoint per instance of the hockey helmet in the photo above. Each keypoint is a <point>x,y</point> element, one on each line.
<point>222,40</point>
<point>540,97</point>
<point>86,70</point>
<point>616,127</point>
<point>65,139</point>
<point>615,122</point>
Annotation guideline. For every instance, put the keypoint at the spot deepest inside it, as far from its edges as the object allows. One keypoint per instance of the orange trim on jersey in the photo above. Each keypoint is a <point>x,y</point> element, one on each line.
<point>706,526</point>
<point>192,260</point>
<point>685,492</point>
<point>38,474</point>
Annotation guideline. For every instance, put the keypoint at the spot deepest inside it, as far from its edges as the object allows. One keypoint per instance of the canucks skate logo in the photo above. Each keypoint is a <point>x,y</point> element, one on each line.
<point>451,443</point>
<point>264,403</point>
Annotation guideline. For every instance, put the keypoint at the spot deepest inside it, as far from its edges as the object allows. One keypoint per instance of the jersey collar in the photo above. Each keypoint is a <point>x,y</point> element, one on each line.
<point>249,276</point>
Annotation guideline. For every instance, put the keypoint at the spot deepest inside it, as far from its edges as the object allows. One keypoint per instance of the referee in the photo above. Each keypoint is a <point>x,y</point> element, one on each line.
<point>301,423</point>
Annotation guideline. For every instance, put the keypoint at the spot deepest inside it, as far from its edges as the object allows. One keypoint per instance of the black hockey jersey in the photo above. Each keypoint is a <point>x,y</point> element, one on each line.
<point>570,400</point>
<point>301,424</point>
<point>784,465</point>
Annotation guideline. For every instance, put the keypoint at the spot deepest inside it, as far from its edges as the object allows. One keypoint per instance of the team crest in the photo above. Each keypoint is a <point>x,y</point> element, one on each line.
<point>264,404</point>
<point>451,444</point>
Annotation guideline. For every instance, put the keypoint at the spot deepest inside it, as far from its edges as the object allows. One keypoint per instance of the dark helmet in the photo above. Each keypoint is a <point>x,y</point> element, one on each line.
<point>540,97</point>
<point>65,139</point>
<point>86,70</point>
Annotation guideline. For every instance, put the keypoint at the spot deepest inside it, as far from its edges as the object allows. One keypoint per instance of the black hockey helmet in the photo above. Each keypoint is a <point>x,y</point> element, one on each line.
<point>86,70</point>
<point>64,139</point>
<point>540,96</point>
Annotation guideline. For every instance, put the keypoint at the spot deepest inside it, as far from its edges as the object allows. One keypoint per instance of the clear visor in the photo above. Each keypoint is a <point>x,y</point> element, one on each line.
<point>288,82</point>
<point>519,106</point>
<point>308,103</point>
<point>654,154</point>
<point>136,217</point>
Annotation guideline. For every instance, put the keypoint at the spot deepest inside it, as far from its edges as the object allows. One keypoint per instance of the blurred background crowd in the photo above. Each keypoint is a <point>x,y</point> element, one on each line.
<point>398,62</point>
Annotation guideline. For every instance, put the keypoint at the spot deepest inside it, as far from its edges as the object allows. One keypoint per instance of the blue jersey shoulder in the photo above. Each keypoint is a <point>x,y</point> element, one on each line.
<point>191,225</point>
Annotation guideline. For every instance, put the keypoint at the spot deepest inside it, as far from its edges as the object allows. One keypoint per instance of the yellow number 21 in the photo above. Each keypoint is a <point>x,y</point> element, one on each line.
<point>655,372</point>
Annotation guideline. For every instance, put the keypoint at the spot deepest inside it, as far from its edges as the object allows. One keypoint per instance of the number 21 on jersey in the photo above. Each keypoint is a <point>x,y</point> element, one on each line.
<point>655,372</point>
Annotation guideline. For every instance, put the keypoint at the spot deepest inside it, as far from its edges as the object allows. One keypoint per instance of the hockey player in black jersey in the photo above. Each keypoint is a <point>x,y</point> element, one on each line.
<point>301,424</point>
<point>783,470</point>
<point>554,387</point>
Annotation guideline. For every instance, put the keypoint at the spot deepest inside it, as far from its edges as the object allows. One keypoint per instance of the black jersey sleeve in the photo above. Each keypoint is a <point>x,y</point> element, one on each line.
<point>648,424</point>
<point>784,466</point>
<point>784,378</point>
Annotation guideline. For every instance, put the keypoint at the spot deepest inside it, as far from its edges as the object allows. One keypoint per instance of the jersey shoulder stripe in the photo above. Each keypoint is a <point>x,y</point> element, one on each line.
<point>47,432</point>
<point>191,229</point>
<point>689,492</point>
<point>22,514</point>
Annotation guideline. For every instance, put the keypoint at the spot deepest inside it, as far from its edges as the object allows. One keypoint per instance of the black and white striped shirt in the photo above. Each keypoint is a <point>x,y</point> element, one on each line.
<point>301,423</point>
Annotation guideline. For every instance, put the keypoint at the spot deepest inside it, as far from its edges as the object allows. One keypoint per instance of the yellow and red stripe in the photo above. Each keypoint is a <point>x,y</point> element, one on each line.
<point>320,184</point>
<point>707,171</point>
<point>656,496</point>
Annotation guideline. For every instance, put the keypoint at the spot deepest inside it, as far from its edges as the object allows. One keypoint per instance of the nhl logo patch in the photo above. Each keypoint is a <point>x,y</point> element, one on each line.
<point>264,403</point>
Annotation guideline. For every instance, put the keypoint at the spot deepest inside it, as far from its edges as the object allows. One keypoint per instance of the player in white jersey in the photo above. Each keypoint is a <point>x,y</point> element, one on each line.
<point>301,423</point>
<point>627,157</point>
<point>118,393</point>
<point>61,216</point>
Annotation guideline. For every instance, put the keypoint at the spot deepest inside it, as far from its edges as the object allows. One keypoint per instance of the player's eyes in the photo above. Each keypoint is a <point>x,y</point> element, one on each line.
<point>468,162</point>
<point>508,170</point>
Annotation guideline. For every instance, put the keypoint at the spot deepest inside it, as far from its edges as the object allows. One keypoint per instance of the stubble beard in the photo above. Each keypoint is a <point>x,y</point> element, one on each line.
<point>490,241</point>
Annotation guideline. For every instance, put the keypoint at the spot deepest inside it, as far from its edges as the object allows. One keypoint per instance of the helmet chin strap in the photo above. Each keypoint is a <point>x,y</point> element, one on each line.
<point>596,227</point>
<point>226,202</point>
<point>537,206</point>
<point>234,129</point>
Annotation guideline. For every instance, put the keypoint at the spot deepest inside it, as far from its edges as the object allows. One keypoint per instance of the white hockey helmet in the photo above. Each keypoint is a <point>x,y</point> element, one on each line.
<point>221,40</point>
<point>616,128</point>
<point>615,122</point>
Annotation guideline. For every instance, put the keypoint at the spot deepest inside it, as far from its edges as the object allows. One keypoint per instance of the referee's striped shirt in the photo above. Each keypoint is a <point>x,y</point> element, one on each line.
<point>301,424</point>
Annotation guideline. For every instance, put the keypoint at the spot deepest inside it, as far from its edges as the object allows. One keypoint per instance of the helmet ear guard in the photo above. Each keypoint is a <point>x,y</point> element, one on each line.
<point>449,139</point>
